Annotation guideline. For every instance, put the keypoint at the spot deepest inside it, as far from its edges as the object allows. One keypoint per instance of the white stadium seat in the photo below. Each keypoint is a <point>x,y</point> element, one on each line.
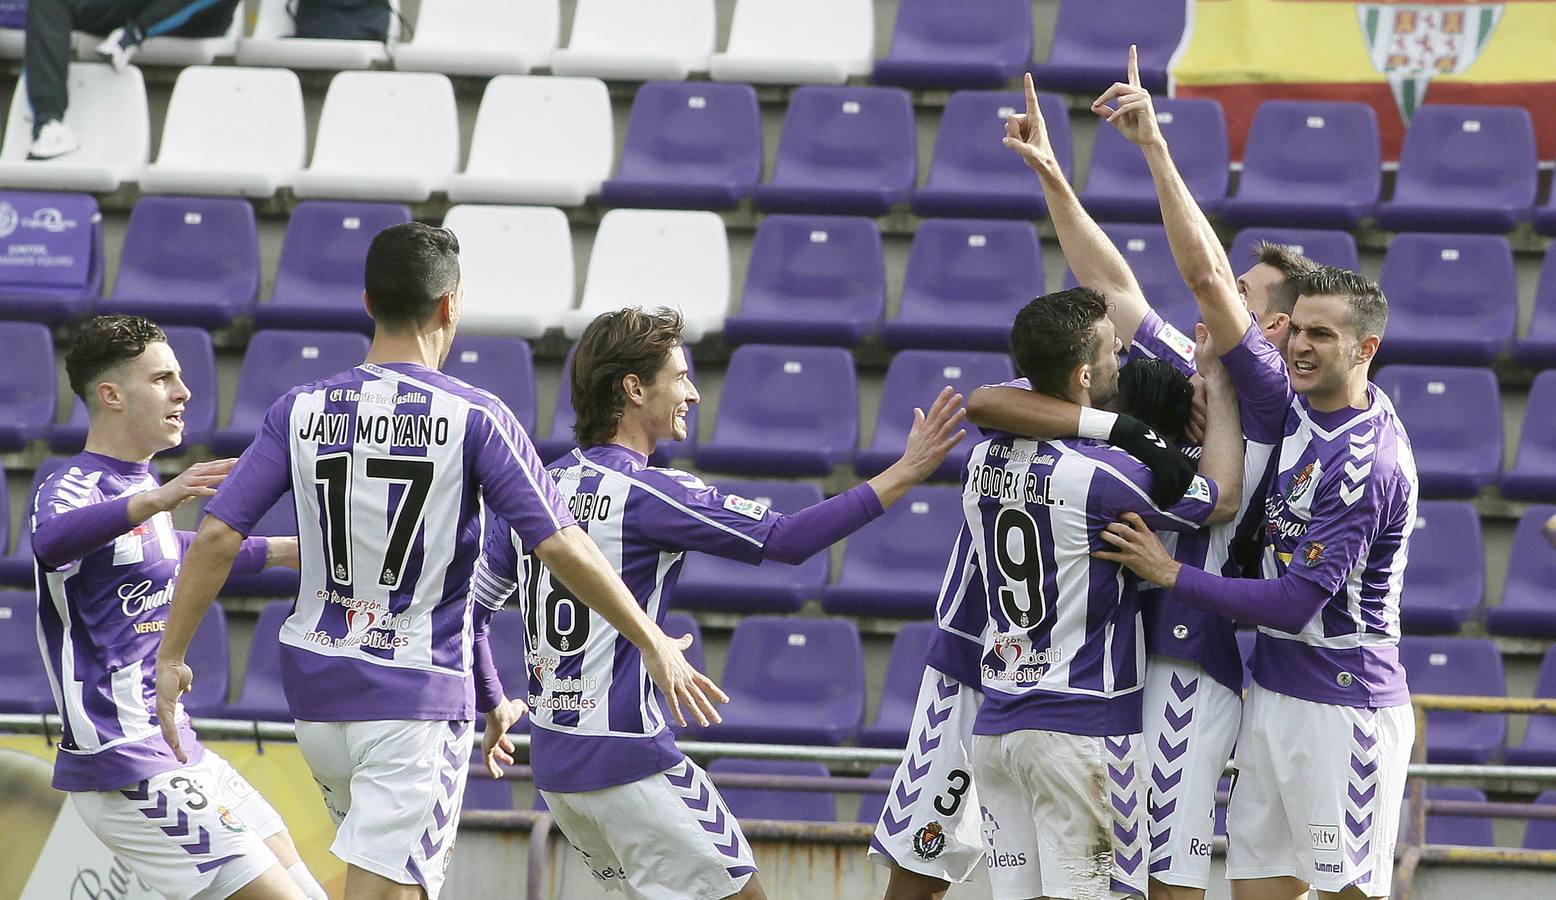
<point>798,42</point>
<point>230,131</point>
<point>383,136</point>
<point>108,114</point>
<point>481,37</point>
<point>516,266</point>
<point>653,257</point>
<point>637,41</point>
<point>272,43</point>
<point>542,140</point>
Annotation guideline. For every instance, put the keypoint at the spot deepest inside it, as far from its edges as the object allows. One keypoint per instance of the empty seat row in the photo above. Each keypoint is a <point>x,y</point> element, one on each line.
<point>1465,666</point>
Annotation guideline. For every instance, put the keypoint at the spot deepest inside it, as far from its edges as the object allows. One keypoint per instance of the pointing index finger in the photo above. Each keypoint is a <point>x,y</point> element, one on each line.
<point>1134,66</point>
<point>1032,111</point>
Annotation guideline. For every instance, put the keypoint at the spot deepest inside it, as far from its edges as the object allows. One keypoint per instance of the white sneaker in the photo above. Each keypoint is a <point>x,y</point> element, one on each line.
<point>119,47</point>
<point>54,139</point>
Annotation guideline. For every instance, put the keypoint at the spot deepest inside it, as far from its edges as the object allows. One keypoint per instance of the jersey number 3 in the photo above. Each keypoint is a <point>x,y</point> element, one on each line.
<point>334,473</point>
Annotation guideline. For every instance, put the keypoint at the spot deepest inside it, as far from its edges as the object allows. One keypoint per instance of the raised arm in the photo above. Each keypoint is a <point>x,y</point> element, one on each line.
<point>1096,262</point>
<point>1221,458</point>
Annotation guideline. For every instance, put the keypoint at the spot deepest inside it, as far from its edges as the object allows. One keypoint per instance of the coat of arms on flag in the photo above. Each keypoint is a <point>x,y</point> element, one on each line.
<point>1411,44</point>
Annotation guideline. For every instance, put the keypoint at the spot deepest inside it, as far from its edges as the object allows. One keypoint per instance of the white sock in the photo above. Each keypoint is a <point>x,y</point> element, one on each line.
<point>306,881</point>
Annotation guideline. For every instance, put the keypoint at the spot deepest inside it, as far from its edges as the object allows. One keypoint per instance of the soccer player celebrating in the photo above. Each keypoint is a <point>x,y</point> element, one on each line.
<point>1327,729</point>
<point>390,464</point>
<point>645,817</point>
<point>106,559</point>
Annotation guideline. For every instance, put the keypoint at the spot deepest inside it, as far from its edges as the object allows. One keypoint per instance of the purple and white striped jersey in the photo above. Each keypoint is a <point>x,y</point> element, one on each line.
<point>101,617</point>
<point>961,616</point>
<point>389,466</point>
<point>1339,513</point>
<point>597,719</point>
<point>1063,651</point>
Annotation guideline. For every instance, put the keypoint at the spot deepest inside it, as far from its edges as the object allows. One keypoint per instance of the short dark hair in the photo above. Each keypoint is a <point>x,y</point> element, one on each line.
<point>409,267</point>
<point>630,341</point>
<point>104,342</point>
<point>1055,333</point>
<point>1369,308</point>
<point>1156,393</point>
<point>1291,265</point>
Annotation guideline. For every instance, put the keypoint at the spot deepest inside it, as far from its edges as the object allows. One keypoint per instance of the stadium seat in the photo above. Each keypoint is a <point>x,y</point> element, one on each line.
<point>1089,46</point>
<point>276,362</point>
<point>797,42</point>
<point>273,42</point>
<point>1445,578</point>
<point>1308,163</point>
<point>188,261</point>
<point>538,140</point>
<point>1540,834</point>
<point>914,379</point>
<point>481,790</point>
<point>711,582</point>
<point>16,568</point>
<point>1458,666</point>
<point>193,50</point>
<point>1545,216</point>
<point>792,681</point>
<point>775,803</point>
<point>649,258</point>
<point>1463,168</point>
<point>27,401</point>
<point>1454,416</point>
<point>210,656</point>
<point>957,45</point>
<point>279,520</point>
<point>971,174</point>
<point>894,565</point>
<point>1463,831</point>
<point>1539,744</point>
<point>24,684</point>
<point>798,412</point>
<point>965,281</point>
<point>849,150</point>
<point>689,146</point>
<point>872,804</point>
<point>1528,607</point>
<point>559,439</point>
<point>197,359</point>
<point>626,40</point>
<point>230,131</point>
<point>1148,254</point>
<point>501,365</point>
<point>1119,185</point>
<point>899,691</point>
<point>62,281</point>
<point>261,696</point>
<point>109,115</point>
<point>319,279</point>
<point>383,136</point>
<point>1331,248</point>
<point>481,37</point>
<point>1538,349</point>
<point>812,280</point>
<point>677,624</point>
<point>1455,298</point>
<point>1533,476</point>
<point>516,266</point>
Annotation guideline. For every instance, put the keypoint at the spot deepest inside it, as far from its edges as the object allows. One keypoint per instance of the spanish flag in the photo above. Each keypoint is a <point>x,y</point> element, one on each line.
<point>1394,56</point>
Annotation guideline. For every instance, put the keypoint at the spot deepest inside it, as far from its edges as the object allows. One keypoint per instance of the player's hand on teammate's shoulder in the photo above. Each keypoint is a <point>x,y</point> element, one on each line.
<point>496,746</point>
<point>1137,548</point>
<point>174,679</point>
<point>199,480</point>
<point>1027,135</point>
<point>282,551</point>
<point>682,685</point>
<point>1132,113</point>
<point>933,435</point>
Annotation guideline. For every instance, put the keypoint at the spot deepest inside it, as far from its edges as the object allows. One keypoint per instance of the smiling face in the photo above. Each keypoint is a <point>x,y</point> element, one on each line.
<point>665,401</point>
<point>148,395</point>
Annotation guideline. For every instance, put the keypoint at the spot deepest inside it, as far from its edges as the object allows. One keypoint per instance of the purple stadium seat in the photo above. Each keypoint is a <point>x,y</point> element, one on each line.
<point>1445,579</point>
<point>192,346</point>
<point>560,439</point>
<point>1539,745</point>
<point>1119,185</point>
<point>1533,476</point>
<point>24,686</point>
<point>1148,254</point>
<point>1454,298</point>
<point>1545,216</point>
<point>677,624</point>
<point>914,379</point>
<point>711,582</point>
<point>505,636</point>
<point>792,681</point>
<point>1332,248</point>
<point>1308,163</point>
<point>1092,38</point>
<point>319,279</point>
<point>54,254</point>
<point>1538,349</point>
<point>798,412</point>
<point>957,45</point>
<point>481,790</point>
<point>26,399</point>
<point>1463,831</point>
<point>1455,420</point>
<point>276,362</point>
<point>871,805</point>
<point>1460,666</point>
<point>16,567</point>
<point>501,365</point>
<point>843,150</point>
<point>188,261</point>
<point>278,521</point>
<point>262,696</point>
<point>894,565</point>
<point>772,803</point>
<point>689,146</point>
<point>1528,607</point>
<point>964,283</point>
<point>1541,833</point>
<point>899,692</point>
<point>1463,168</point>
<point>972,174</point>
<point>812,280</point>
<point>211,658</point>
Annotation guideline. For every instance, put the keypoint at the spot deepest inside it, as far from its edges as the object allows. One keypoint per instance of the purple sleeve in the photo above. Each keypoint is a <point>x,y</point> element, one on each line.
<point>497,571</point>
<point>488,684</point>
<point>691,515</point>
<point>796,538</point>
<point>66,529</point>
<point>1346,514</point>
<point>1121,494</point>
<point>1158,339</point>
<point>514,484</point>
<point>1286,604</point>
<point>262,474</point>
<point>251,556</point>
<point>1263,386</point>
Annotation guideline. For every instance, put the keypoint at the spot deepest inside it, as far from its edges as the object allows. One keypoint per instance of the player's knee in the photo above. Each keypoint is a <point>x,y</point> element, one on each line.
<point>1283,887</point>
<point>1160,891</point>
<point>752,891</point>
<point>1350,893</point>
<point>905,885</point>
<point>272,884</point>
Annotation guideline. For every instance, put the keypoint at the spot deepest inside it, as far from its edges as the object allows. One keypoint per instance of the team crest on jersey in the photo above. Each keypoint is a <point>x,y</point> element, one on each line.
<point>341,574</point>
<point>743,507</point>
<point>1312,554</point>
<point>929,841</point>
<point>230,821</point>
<point>1299,496</point>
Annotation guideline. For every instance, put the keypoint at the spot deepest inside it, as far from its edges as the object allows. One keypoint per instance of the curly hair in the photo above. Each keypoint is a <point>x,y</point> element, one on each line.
<point>1156,393</point>
<point>103,343</point>
<point>630,341</point>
